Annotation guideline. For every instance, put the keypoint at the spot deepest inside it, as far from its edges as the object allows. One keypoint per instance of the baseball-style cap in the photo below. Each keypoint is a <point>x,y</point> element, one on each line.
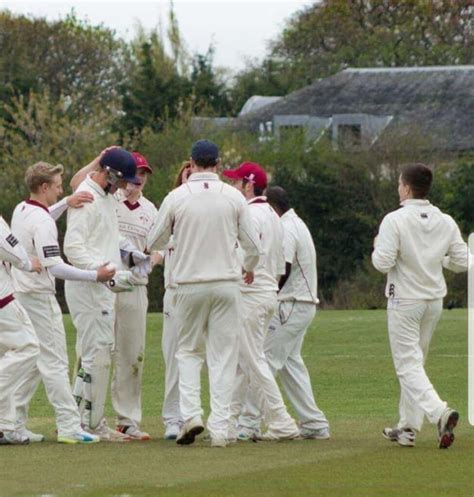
<point>249,171</point>
<point>141,162</point>
<point>122,163</point>
<point>204,151</point>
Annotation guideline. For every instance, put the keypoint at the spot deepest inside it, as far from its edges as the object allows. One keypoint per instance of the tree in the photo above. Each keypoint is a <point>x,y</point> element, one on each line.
<point>66,58</point>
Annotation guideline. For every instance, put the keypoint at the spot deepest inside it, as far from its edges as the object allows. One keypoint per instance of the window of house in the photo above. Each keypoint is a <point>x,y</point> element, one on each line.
<point>349,136</point>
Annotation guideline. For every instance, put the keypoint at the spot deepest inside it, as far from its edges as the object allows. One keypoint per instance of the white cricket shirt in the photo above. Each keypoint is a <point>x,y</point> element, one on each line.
<point>36,230</point>
<point>412,246</point>
<point>272,260</point>
<point>11,252</point>
<point>92,235</point>
<point>135,221</point>
<point>302,284</point>
<point>207,218</point>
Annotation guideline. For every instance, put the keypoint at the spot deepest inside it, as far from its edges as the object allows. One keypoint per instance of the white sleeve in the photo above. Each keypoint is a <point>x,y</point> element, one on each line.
<point>248,238</point>
<point>65,271</point>
<point>10,249</point>
<point>457,257</point>
<point>290,244</point>
<point>58,209</point>
<point>77,233</point>
<point>387,245</point>
<point>45,241</point>
<point>281,267</point>
<point>161,231</point>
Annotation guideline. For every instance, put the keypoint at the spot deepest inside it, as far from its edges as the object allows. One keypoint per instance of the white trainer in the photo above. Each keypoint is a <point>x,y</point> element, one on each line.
<point>446,424</point>
<point>106,434</point>
<point>245,433</point>
<point>134,432</point>
<point>172,431</point>
<point>404,437</point>
<point>81,437</point>
<point>275,436</point>
<point>33,437</point>
<point>315,433</point>
<point>13,438</point>
<point>190,430</point>
<point>218,442</point>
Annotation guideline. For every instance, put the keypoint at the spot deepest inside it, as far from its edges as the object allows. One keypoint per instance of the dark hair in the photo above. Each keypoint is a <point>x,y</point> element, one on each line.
<point>179,177</point>
<point>418,177</point>
<point>206,162</point>
<point>278,198</point>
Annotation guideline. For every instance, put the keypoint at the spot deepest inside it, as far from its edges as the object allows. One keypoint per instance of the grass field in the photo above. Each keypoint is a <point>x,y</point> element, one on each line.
<point>348,357</point>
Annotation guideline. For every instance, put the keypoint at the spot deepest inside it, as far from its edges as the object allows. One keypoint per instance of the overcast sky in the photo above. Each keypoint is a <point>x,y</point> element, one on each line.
<point>239,29</point>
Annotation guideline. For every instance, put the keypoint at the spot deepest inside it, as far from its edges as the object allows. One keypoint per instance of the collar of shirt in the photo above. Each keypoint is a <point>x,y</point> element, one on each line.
<point>289,214</point>
<point>415,201</point>
<point>258,200</point>
<point>37,204</point>
<point>204,177</point>
<point>95,186</point>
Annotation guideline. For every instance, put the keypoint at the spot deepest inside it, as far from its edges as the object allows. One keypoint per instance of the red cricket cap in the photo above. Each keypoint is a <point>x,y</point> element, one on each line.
<point>249,171</point>
<point>141,162</point>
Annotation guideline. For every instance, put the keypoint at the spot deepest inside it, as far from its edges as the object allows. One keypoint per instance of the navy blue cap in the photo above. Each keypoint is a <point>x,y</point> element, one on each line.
<point>205,151</point>
<point>123,163</point>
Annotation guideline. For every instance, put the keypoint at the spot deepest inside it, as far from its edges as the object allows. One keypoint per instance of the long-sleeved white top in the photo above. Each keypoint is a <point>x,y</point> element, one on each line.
<point>413,245</point>
<point>206,218</point>
<point>302,284</point>
<point>92,234</point>
<point>11,252</point>
<point>272,260</point>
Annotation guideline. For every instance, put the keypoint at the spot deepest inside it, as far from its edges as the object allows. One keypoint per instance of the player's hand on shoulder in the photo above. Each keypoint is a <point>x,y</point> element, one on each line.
<point>105,272</point>
<point>78,199</point>
<point>36,266</point>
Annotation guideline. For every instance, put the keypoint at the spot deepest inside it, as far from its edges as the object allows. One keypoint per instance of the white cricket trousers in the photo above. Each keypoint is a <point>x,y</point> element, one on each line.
<point>169,345</point>
<point>283,345</point>
<point>52,366</point>
<point>411,324</point>
<point>19,351</point>
<point>254,376</point>
<point>208,324</point>
<point>92,308</point>
<point>129,355</point>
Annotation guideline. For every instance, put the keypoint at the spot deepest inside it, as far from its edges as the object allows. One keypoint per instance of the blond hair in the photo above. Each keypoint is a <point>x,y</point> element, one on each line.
<point>40,173</point>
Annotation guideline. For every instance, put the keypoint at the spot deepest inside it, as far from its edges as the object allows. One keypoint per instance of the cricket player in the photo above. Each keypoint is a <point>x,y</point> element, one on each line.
<point>259,301</point>
<point>414,243</point>
<point>171,412</point>
<point>92,238</point>
<point>19,347</point>
<point>297,300</point>
<point>136,215</point>
<point>206,218</point>
<point>36,230</point>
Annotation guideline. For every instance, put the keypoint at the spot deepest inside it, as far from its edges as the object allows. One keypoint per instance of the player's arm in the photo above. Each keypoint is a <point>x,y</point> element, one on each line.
<point>81,175</point>
<point>162,229</point>
<point>76,201</point>
<point>457,257</point>
<point>12,251</point>
<point>284,277</point>
<point>248,238</point>
<point>290,247</point>
<point>386,245</point>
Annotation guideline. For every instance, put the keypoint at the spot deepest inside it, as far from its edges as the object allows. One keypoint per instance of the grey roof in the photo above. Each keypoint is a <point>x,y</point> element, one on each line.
<point>438,100</point>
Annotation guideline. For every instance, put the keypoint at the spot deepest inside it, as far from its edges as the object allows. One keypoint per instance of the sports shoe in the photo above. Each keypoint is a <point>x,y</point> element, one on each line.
<point>244,433</point>
<point>315,434</point>
<point>275,436</point>
<point>106,434</point>
<point>81,437</point>
<point>218,442</point>
<point>405,437</point>
<point>446,424</point>
<point>133,432</point>
<point>13,438</point>
<point>172,431</point>
<point>33,437</point>
<point>190,430</point>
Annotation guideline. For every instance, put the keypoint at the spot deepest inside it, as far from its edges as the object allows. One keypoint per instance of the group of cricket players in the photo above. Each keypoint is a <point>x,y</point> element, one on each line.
<point>240,294</point>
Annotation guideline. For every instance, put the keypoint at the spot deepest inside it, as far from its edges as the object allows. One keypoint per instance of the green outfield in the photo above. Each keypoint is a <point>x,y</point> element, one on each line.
<point>348,357</point>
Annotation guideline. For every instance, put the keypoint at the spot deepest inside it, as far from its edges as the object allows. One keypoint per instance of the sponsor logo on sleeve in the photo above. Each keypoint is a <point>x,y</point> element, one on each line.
<point>51,251</point>
<point>12,240</point>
